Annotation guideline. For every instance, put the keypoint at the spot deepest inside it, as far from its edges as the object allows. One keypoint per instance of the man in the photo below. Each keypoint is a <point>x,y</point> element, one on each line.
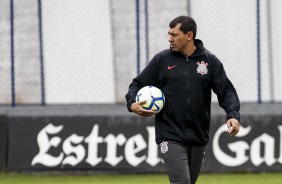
<point>186,73</point>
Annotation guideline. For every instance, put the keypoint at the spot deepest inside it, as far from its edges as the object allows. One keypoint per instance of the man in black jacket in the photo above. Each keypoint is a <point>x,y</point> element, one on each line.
<point>186,73</point>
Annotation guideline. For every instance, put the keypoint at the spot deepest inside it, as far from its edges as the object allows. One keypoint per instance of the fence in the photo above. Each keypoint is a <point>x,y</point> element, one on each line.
<point>88,51</point>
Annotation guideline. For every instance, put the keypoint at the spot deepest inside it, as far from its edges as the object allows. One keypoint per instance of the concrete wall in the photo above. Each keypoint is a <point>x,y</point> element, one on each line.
<point>90,47</point>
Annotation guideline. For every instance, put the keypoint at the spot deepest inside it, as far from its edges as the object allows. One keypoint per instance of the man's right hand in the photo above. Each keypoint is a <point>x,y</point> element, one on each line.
<point>138,109</point>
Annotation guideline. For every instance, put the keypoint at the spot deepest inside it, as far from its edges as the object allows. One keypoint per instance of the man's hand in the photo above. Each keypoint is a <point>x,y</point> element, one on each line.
<point>138,109</point>
<point>233,126</point>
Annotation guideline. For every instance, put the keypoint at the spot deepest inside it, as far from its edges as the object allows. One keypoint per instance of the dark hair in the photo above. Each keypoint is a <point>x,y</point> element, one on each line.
<point>187,24</point>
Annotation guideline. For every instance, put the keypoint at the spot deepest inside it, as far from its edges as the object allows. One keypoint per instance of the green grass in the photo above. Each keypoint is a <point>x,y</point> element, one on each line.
<point>13,178</point>
<point>240,179</point>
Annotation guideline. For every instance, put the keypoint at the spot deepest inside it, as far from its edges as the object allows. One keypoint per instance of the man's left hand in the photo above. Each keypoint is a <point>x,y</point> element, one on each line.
<point>233,126</point>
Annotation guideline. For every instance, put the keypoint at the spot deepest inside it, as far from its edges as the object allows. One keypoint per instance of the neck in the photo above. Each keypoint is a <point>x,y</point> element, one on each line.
<point>189,50</point>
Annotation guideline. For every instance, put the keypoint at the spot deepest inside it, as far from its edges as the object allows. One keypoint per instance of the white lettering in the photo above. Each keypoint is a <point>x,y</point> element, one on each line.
<point>93,140</point>
<point>68,148</point>
<point>72,151</point>
<point>134,145</point>
<point>112,143</point>
<point>268,158</point>
<point>152,158</point>
<point>45,144</point>
<point>239,148</point>
<point>280,156</point>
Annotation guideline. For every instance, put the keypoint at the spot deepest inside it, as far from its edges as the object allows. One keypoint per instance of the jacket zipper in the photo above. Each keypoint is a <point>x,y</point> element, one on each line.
<point>187,123</point>
<point>187,93</point>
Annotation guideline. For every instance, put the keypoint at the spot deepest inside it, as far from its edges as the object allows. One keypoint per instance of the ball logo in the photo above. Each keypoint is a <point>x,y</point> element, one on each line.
<point>202,68</point>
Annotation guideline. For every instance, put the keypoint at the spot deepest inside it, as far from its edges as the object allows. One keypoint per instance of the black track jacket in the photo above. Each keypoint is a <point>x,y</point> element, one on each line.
<point>186,84</point>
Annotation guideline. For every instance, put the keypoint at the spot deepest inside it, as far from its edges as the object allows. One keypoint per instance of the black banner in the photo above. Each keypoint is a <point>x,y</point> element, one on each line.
<point>3,141</point>
<point>119,144</point>
<point>127,144</point>
<point>257,147</point>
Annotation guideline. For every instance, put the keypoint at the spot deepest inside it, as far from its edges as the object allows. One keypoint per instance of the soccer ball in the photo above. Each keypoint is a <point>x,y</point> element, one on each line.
<point>154,97</point>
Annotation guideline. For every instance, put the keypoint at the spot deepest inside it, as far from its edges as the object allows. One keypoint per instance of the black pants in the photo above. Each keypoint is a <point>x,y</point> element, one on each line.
<point>183,163</point>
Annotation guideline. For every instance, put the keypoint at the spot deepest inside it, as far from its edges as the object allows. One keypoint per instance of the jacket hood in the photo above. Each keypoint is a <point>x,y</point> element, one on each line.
<point>200,49</point>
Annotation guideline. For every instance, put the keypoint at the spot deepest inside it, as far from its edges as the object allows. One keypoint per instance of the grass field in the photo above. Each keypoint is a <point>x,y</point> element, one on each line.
<point>12,178</point>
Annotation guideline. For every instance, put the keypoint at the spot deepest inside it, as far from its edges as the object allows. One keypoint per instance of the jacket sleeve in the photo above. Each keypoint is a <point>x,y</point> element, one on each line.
<point>145,78</point>
<point>225,91</point>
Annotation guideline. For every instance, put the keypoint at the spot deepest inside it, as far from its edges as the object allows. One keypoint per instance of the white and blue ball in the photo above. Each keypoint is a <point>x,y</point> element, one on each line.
<point>154,97</point>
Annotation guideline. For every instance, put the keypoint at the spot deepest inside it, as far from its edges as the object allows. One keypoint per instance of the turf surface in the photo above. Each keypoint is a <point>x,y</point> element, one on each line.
<point>12,178</point>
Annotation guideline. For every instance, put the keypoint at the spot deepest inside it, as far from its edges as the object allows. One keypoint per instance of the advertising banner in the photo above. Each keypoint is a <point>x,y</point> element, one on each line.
<point>3,141</point>
<point>127,144</point>
<point>119,144</point>
<point>257,147</point>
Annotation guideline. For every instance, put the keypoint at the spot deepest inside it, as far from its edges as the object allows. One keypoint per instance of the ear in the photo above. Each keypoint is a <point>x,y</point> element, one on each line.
<point>189,35</point>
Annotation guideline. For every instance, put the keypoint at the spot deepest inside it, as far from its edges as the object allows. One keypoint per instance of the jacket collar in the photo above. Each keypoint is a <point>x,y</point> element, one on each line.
<point>200,49</point>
